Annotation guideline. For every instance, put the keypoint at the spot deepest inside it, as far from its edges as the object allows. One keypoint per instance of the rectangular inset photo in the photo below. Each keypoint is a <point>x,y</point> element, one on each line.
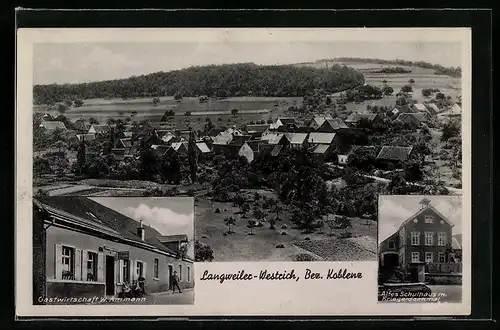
<point>420,248</point>
<point>112,250</point>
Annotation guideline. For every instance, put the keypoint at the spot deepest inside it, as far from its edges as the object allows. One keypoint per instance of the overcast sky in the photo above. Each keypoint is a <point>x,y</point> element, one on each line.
<point>169,216</point>
<point>85,62</point>
<point>394,210</point>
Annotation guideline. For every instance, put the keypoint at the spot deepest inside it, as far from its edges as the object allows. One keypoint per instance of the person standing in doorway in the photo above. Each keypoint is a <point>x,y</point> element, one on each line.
<point>141,281</point>
<point>175,282</point>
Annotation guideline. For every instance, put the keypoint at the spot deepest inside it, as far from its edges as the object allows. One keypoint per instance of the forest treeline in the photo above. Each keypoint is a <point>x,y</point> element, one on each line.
<point>245,79</point>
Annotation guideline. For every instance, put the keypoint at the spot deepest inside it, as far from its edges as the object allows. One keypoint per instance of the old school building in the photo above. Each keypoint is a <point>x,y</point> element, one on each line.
<point>423,246</point>
<point>84,249</point>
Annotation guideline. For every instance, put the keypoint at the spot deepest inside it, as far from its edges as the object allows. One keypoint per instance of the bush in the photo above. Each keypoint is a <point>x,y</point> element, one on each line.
<point>41,165</point>
<point>203,252</point>
<point>304,257</point>
<point>78,103</point>
<point>172,192</point>
<point>41,192</point>
<point>217,210</point>
<point>406,89</point>
<point>346,234</point>
<point>280,246</point>
<point>153,192</point>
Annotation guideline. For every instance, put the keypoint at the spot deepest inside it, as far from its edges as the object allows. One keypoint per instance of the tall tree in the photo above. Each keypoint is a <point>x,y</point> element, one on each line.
<point>244,209</point>
<point>208,126</point>
<point>178,96</point>
<point>229,221</point>
<point>192,156</point>
<point>449,130</point>
<point>239,200</point>
<point>80,155</point>
<point>251,225</point>
<point>258,214</point>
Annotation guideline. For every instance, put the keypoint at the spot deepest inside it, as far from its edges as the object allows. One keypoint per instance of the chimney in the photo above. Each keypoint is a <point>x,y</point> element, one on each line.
<point>140,231</point>
<point>424,203</point>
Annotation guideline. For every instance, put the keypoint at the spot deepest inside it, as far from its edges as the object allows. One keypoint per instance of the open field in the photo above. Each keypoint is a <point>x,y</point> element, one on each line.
<point>424,78</point>
<point>447,85</point>
<point>366,67</point>
<point>249,109</point>
<point>241,246</point>
<point>145,107</point>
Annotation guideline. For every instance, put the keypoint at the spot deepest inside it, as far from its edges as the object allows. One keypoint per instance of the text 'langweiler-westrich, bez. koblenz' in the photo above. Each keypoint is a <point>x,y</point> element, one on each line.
<point>331,274</point>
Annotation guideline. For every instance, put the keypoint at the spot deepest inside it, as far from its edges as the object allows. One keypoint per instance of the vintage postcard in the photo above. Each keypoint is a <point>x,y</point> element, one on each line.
<point>284,164</point>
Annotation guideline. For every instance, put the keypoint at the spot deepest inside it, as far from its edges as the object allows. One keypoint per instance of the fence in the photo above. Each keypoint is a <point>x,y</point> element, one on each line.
<point>444,268</point>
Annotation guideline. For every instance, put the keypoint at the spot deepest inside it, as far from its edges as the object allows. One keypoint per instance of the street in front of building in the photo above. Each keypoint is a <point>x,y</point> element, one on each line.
<point>184,298</point>
<point>453,293</point>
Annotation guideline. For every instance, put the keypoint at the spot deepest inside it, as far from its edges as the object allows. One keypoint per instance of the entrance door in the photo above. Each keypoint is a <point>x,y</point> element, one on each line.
<point>414,274</point>
<point>110,276</point>
<point>170,274</point>
<point>390,261</point>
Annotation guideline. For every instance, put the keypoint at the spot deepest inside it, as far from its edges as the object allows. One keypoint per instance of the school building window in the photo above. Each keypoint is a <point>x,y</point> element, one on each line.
<point>429,257</point>
<point>180,272</point>
<point>415,257</point>
<point>415,238</point>
<point>429,219</point>
<point>441,257</point>
<point>156,268</point>
<point>91,266</point>
<point>189,274</point>
<point>391,245</point>
<point>429,238</point>
<point>442,239</point>
<point>68,263</point>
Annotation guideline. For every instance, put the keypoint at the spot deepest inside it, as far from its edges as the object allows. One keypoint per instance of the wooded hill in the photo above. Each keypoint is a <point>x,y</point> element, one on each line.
<point>245,79</point>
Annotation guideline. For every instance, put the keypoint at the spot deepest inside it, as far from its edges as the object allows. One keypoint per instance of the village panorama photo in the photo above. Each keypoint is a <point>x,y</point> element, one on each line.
<point>112,250</point>
<point>285,146</point>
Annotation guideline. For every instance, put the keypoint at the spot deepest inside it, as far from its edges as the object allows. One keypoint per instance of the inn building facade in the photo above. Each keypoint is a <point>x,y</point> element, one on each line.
<point>84,249</point>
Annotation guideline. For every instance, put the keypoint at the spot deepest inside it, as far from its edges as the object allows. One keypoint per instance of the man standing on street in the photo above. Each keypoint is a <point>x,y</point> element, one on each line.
<point>175,282</point>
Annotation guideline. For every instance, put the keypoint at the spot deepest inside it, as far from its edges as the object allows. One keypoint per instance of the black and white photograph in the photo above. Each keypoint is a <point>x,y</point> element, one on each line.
<point>285,149</point>
<point>113,250</point>
<point>276,163</point>
<point>420,249</point>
